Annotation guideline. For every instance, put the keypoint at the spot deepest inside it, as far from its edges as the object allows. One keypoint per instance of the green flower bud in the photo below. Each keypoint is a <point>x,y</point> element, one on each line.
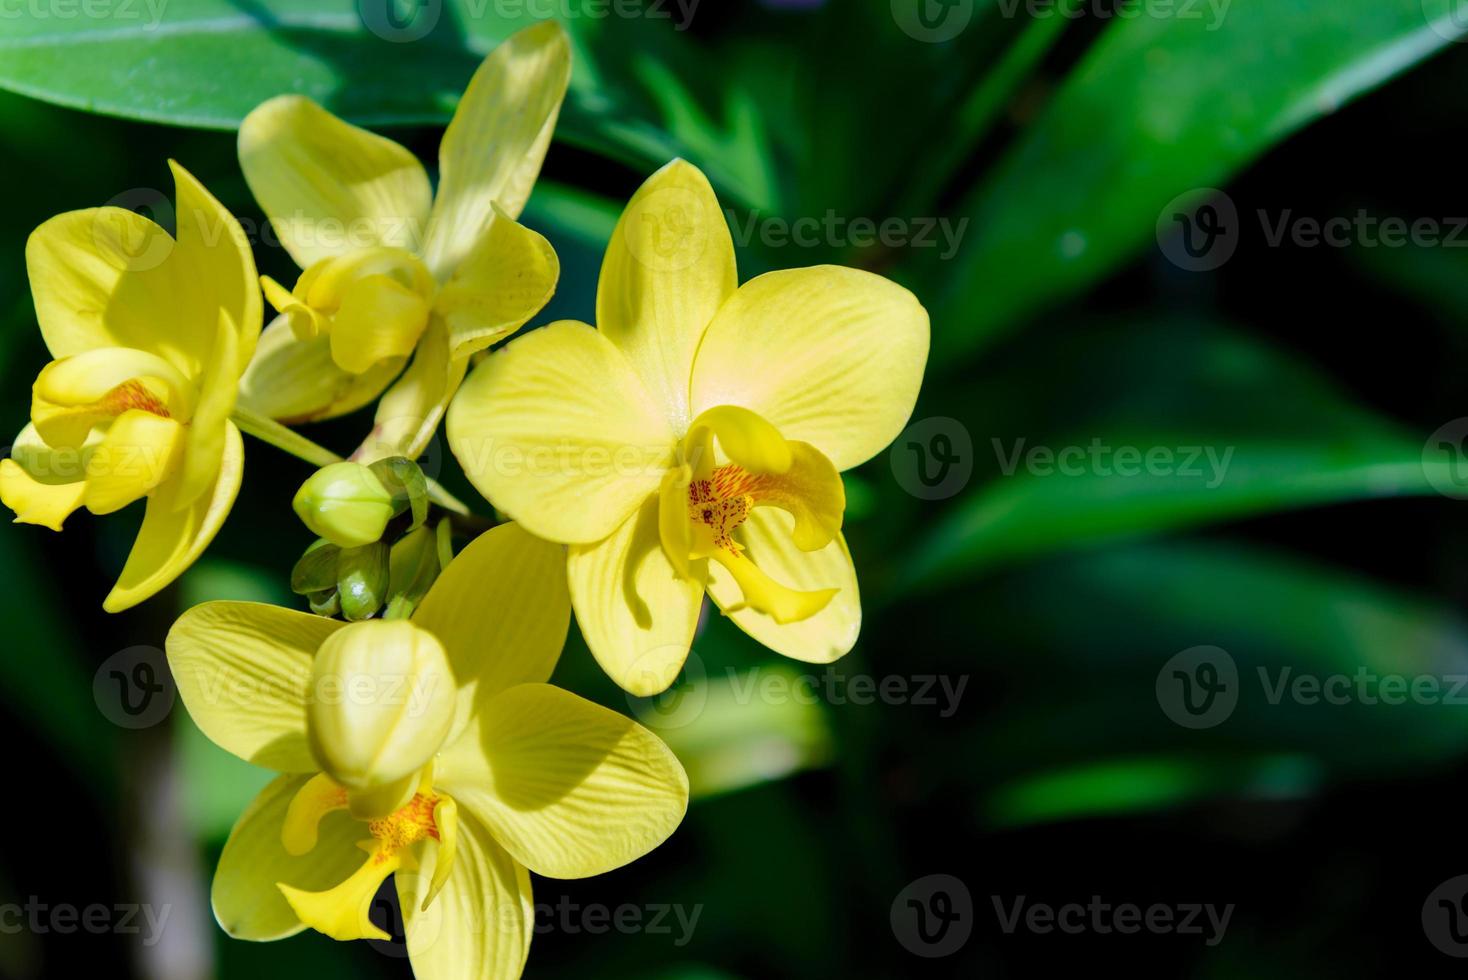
<point>345,503</point>
<point>362,579</point>
<point>382,702</point>
<point>316,569</point>
<point>415,567</point>
<point>325,603</point>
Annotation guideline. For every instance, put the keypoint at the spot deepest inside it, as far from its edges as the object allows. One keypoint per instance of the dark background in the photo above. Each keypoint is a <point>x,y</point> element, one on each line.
<point>1058,777</point>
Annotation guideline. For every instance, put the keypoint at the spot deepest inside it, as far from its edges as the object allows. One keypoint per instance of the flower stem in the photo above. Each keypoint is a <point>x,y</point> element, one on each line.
<point>266,429</point>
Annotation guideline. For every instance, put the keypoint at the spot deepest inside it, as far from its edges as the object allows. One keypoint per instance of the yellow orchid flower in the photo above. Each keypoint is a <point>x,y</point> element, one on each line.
<point>150,334</point>
<point>700,421</point>
<point>390,268</point>
<point>433,745</point>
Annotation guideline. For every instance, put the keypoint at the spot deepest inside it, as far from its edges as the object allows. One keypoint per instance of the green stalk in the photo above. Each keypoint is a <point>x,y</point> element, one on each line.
<point>268,430</point>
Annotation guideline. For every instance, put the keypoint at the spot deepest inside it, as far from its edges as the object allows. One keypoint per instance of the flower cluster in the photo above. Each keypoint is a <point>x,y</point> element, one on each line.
<point>691,442</point>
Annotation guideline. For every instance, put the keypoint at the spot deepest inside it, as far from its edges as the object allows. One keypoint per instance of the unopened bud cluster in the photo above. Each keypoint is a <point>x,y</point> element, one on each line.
<point>352,571</point>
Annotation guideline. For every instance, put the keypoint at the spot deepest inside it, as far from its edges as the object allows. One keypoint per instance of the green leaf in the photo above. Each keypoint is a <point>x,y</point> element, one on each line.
<point>1088,637</point>
<point>1158,107</point>
<point>1237,429</point>
<point>1146,783</point>
<point>207,63</point>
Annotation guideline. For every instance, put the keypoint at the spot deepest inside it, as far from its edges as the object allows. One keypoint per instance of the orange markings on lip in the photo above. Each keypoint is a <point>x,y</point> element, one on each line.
<point>723,502</point>
<point>134,394</point>
<point>407,825</point>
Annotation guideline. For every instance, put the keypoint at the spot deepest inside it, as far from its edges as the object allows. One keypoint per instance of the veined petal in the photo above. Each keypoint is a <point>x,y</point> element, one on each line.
<point>76,393</point>
<point>760,592</point>
<point>569,788</point>
<point>318,797</point>
<point>769,542</point>
<point>668,269</point>
<point>37,502</point>
<point>243,670</point>
<point>41,484</point>
<point>101,278</point>
<point>328,187</point>
<point>217,391</point>
<point>170,539</point>
<point>673,526</point>
<point>91,376</point>
<point>296,381</point>
<point>556,431</point>
<point>830,356</point>
<point>344,910</point>
<point>479,926</point>
<point>446,819</point>
<point>504,280</point>
<point>636,613</point>
<point>214,273</point>
<point>492,150</point>
<point>811,491</point>
<point>501,612</point>
<point>247,901</point>
<point>380,318</point>
<point>748,440</point>
<point>409,413</point>
<point>139,451</point>
<point>305,322</point>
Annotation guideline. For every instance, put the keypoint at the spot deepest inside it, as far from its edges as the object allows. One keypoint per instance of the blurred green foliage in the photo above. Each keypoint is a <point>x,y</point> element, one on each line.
<point>1058,142</point>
